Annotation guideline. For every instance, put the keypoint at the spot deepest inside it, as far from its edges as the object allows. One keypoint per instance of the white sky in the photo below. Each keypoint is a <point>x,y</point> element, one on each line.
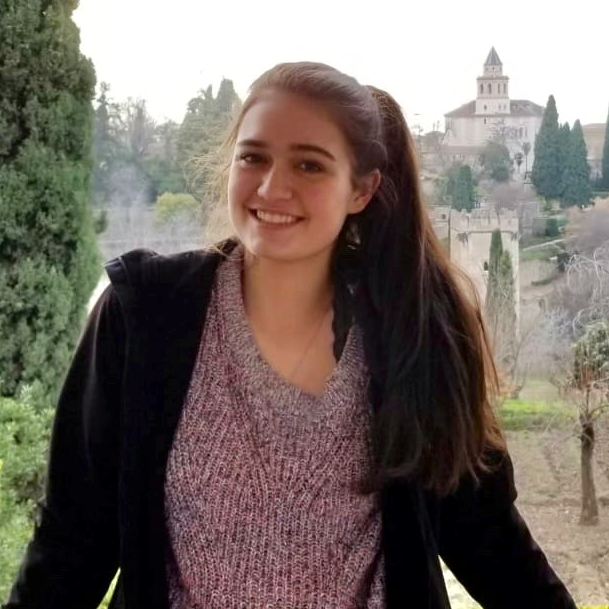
<point>426,53</point>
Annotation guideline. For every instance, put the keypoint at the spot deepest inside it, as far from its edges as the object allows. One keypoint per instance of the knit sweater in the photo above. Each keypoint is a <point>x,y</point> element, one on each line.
<point>261,503</point>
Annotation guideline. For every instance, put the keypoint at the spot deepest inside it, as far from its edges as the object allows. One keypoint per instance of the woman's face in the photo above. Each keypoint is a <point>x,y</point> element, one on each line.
<point>290,184</point>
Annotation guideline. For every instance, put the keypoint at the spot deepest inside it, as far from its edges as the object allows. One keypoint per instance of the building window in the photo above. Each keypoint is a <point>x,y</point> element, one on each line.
<point>485,106</point>
<point>485,120</point>
<point>490,89</point>
<point>504,87</point>
<point>498,88</point>
<point>481,88</point>
<point>486,265</point>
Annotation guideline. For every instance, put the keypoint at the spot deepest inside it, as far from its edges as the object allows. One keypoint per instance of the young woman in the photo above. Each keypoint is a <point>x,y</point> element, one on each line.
<point>300,418</point>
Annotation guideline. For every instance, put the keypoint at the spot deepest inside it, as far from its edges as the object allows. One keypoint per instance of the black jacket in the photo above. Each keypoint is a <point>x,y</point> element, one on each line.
<point>115,421</point>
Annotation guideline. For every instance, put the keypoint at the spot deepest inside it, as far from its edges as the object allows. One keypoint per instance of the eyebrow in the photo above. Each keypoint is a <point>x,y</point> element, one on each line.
<point>299,147</point>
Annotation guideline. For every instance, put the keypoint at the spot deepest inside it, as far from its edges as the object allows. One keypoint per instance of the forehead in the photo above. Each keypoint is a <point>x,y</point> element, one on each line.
<point>279,117</point>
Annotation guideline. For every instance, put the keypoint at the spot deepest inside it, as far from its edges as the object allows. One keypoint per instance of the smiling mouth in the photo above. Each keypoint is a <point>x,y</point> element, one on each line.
<point>268,217</point>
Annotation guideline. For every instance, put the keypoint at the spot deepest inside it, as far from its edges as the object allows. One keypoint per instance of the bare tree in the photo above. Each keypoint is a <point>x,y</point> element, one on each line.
<point>139,128</point>
<point>582,375</point>
<point>588,279</point>
<point>586,385</point>
<point>503,133</point>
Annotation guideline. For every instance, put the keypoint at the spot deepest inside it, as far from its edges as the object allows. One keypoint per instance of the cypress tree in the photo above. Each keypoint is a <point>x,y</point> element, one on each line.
<point>48,257</point>
<point>496,250</point>
<point>576,176</point>
<point>605,166</point>
<point>546,173</point>
<point>463,194</point>
<point>506,311</point>
<point>500,305</point>
<point>564,145</point>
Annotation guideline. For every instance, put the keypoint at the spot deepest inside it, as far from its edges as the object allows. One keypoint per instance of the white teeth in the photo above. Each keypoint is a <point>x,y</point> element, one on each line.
<point>272,218</point>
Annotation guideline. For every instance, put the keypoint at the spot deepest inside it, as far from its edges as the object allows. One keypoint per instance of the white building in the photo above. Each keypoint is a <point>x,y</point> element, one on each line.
<point>491,116</point>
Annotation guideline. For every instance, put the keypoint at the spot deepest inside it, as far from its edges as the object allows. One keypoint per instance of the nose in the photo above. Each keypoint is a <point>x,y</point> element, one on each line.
<point>275,184</point>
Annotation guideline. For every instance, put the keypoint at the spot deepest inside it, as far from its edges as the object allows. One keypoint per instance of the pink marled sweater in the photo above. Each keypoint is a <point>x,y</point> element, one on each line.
<point>260,501</point>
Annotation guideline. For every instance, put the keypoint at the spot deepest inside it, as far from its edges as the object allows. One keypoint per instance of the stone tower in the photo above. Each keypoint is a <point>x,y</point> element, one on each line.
<point>470,245</point>
<point>493,93</point>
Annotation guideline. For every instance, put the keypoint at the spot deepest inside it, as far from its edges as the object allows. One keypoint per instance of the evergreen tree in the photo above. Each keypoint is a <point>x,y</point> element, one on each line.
<point>162,166</point>
<point>497,162</point>
<point>605,170</point>
<point>202,130</point>
<point>564,144</point>
<point>495,252</point>
<point>546,173</point>
<point>106,146</point>
<point>576,175</point>
<point>500,304</point>
<point>507,323</point>
<point>48,257</point>
<point>463,193</point>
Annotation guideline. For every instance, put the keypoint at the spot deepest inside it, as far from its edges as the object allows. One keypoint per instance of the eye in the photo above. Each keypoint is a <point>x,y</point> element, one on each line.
<point>251,158</point>
<point>311,166</point>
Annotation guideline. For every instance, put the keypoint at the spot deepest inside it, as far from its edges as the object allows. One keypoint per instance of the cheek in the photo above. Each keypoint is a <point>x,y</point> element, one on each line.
<point>329,202</point>
<point>238,187</point>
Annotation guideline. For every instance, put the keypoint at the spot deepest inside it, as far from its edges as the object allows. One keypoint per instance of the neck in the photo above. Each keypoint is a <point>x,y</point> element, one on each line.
<point>286,295</point>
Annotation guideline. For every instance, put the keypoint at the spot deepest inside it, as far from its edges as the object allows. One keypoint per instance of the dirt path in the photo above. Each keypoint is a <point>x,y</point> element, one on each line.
<point>547,476</point>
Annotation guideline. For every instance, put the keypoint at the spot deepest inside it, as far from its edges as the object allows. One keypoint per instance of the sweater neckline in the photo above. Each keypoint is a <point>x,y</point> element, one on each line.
<point>348,375</point>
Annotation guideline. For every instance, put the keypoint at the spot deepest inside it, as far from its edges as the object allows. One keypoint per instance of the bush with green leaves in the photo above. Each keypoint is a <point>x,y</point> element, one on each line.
<point>170,207</point>
<point>24,437</point>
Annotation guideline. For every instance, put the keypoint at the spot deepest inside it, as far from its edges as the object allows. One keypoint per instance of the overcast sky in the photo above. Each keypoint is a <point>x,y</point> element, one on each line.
<point>427,54</point>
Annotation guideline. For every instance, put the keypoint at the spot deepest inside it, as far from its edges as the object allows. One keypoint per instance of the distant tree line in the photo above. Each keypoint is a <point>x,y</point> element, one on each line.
<point>138,158</point>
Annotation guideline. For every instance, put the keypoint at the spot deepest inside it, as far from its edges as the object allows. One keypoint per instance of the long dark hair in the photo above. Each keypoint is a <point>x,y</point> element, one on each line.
<point>432,375</point>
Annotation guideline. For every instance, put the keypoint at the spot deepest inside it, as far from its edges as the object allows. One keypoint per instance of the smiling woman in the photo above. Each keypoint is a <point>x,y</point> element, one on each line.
<point>292,171</point>
<point>300,417</point>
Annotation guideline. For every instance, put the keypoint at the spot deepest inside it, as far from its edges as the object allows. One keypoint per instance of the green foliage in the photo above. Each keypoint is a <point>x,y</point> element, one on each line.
<point>15,530</point>
<point>495,252</point>
<point>591,356</point>
<point>496,161</point>
<point>564,142</point>
<point>551,227</point>
<point>605,165</point>
<point>463,191</point>
<point>48,256</point>
<point>576,174</point>
<point>546,173</point>
<point>444,185</point>
<point>170,207</point>
<point>162,166</point>
<point>500,304</point>
<point>520,415</point>
<point>23,446</point>
<point>24,437</point>
<point>202,130</point>
<point>137,158</point>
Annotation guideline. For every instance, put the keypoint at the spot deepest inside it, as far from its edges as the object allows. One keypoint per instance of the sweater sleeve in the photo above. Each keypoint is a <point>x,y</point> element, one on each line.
<point>73,554</point>
<point>488,546</point>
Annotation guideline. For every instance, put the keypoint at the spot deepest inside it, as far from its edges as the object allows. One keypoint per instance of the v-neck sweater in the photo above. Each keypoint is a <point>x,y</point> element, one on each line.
<point>262,503</point>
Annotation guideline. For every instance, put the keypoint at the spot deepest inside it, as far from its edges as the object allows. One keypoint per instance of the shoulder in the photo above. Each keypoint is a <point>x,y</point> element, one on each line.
<point>147,268</point>
<point>145,282</point>
<point>144,271</point>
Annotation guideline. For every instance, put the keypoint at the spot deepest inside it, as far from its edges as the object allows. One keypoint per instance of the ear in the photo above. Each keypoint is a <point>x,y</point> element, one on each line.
<point>364,191</point>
